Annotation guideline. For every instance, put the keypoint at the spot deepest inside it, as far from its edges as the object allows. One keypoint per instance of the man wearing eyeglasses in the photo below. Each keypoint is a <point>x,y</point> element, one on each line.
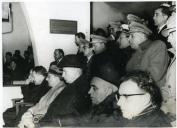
<point>140,101</point>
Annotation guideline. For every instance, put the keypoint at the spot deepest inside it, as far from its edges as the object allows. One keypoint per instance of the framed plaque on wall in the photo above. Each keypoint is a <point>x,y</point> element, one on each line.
<point>6,11</point>
<point>63,26</point>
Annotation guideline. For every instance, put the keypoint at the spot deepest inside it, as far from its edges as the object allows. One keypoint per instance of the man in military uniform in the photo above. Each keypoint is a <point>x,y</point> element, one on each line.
<point>150,56</point>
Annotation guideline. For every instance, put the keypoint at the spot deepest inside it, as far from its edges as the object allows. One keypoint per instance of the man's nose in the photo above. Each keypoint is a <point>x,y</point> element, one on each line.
<point>47,78</point>
<point>90,91</point>
<point>120,101</point>
<point>118,40</point>
<point>63,74</point>
<point>154,17</point>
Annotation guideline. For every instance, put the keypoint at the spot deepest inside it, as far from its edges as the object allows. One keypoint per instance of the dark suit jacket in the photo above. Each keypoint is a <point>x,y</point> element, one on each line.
<point>95,117</point>
<point>33,93</point>
<point>102,61</point>
<point>156,118</point>
<point>55,63</point>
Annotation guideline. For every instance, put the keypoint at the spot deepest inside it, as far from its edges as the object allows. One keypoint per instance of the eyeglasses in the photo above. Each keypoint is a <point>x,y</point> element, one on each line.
<point>128,95</point>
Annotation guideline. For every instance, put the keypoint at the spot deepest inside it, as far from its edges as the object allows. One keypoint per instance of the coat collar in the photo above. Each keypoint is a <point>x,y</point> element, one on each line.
<point>105,107</point>
<point>162,28</point>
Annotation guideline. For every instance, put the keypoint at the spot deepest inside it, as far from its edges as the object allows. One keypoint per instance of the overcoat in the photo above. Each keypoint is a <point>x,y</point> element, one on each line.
<point>151,56</point>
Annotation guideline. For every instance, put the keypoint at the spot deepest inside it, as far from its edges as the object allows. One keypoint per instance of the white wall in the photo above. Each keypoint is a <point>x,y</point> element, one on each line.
<point>103,14</point>
<point>8,96</point>
<point>44,43</point>
<point>19,37</point>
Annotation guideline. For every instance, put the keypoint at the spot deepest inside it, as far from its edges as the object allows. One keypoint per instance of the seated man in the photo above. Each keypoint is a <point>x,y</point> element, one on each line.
<point>74,99</point>
<point>33,92</point>
<point>16,72</point>
<point>102,92</point>
<point>35,113</point>
<point>58,55</point>
<point>140,101</point>
<point>36,88</point>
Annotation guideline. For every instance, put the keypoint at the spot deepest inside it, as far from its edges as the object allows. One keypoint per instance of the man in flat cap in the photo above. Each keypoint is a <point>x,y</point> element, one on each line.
<point>102,93</point>
<point>74,99</point>
<point>150,56</point>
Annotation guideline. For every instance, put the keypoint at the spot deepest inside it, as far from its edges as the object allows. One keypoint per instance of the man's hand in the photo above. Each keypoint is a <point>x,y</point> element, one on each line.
<point>26,124</point>
<point>26,121</point>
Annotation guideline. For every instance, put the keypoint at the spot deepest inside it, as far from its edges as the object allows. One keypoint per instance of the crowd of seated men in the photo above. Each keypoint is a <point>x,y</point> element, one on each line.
<point>125,79</point>
<point>16,67</point>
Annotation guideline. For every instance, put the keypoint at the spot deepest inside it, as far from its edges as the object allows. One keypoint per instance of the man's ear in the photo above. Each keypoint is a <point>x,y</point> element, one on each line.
<point>148,97</point>
<point>108,91</point>
<point>165,17</point>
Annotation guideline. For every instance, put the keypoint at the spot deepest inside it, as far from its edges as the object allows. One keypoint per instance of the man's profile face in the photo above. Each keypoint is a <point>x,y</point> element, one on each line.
<point>38,78</point>
<point>57,55</point>
<point>8,58</point>
<point>69,74</point>
<point>87,51</point>
<point>98,45</point>
<point>13,65</point>
<point>159,18</point>
<point>123,41</point>
<point>81,48</point>
<point>97,93</point>
<point>135,40</point>
<point>77,40</point>
<point>133,100</point>
<point>52,79</point>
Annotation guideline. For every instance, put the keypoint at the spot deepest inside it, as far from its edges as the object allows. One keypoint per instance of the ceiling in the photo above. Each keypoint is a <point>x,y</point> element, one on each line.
<point>142,9</point>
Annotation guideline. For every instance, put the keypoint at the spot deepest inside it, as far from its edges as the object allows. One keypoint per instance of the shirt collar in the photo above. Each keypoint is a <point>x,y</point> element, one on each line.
<point>59,60</point>
<point>88,59</point>
<point>160,28</point>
